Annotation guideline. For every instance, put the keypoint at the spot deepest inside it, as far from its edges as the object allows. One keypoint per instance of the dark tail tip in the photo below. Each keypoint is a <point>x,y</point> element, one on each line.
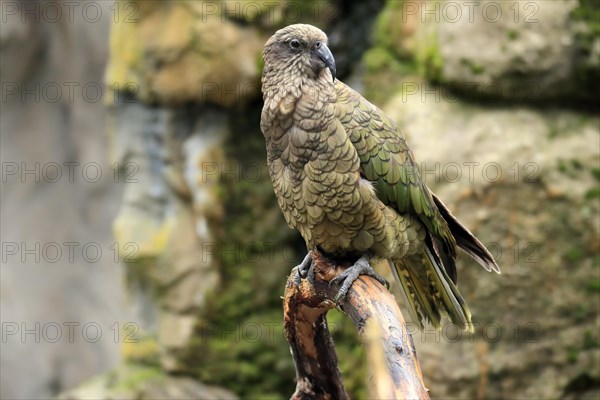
<point>466,240</point>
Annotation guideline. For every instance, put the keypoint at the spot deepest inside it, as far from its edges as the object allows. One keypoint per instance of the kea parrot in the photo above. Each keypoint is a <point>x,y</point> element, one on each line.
<point>345,178</point>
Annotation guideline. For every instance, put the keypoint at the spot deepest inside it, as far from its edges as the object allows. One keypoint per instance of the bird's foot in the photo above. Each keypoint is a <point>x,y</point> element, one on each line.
<point>349,275</point>
<point>306,269</point>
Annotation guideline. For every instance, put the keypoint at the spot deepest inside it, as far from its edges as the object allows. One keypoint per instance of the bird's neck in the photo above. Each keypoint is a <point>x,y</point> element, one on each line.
<point>280,84</point>
<point>296,112</point>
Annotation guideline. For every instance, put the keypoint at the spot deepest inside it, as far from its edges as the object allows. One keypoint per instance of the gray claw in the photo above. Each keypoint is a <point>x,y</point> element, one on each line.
<point>297,279</point>
<point>348,276</point>
<point>306,268</point>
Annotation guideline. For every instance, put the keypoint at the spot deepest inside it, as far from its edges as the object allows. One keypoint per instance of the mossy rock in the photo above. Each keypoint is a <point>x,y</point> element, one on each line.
<point>556,60</point>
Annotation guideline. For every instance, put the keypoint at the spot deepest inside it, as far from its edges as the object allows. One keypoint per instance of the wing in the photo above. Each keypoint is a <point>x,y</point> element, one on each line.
<point>387,161</point>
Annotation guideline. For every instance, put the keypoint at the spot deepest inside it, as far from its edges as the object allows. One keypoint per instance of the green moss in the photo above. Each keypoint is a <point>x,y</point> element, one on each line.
<point>553,132</point>
<point>596,173</point>
<point>590,341</point>
<point>561,126</point>
<point>389,28</point>
<point>513,35</point>
<point>588,11</point>
<point>383,73</point>
<point>378,59</point>
<point>582,312</point>
<point>593,286</point>
<point>571,167</point>
<point>130,377</point>
<point>572,354</point>
<point>392,54</point>
<point>277,14</point>
<point>477,69</point>
<point>141,348</point>
<point>429,60</point>
<point>592,194</point>
<point>574,254</point>
<point>562,166</point>
<point>260,63</point>
<point>588,74</point>
<point>576,164</point>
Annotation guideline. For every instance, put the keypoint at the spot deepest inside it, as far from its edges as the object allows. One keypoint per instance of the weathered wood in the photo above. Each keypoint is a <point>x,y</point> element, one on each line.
<point>393,362</point>
<point>317,373</point>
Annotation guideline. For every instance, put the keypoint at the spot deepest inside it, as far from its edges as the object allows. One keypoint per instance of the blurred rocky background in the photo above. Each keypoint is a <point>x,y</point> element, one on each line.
<point>153,265</point>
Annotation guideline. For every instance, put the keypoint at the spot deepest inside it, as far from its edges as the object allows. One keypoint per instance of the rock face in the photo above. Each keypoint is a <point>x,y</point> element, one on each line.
<point>167,211</point>
<point>158,50</point>
<point>537,50</point>
<point>173,128</point>
<point>57,301</point>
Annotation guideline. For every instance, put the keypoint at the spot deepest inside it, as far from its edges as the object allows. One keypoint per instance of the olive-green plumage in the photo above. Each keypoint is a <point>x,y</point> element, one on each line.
<point>346,179</point>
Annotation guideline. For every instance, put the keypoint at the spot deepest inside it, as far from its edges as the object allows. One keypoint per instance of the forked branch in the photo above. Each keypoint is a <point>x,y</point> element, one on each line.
<point>394,366</point>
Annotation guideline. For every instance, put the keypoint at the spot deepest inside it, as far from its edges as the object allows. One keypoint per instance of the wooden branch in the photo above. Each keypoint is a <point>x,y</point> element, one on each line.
<point>394,367</point>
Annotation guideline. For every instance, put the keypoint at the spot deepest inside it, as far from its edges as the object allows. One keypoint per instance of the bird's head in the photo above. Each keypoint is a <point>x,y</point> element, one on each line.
<point>300,49</point>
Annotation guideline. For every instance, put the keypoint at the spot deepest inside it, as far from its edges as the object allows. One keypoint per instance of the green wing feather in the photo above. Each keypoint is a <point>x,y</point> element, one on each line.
<point>387,161</point>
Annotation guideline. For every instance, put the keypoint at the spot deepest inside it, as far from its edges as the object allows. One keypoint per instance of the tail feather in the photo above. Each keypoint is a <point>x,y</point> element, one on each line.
<point>422,301</point>
<point>428,289</point>
<point>428,281</point>
<point>447,260</point>
<point>407,294</point>
<point>466,240</point>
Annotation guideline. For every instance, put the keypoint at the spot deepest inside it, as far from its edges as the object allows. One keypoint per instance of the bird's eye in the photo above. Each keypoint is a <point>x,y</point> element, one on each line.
<point>294,43</point>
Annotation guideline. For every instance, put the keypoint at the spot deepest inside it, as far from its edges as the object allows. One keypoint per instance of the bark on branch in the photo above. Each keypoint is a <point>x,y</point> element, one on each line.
<point>394,367</point>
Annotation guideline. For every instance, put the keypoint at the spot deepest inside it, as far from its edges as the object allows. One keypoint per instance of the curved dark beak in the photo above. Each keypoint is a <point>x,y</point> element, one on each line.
<point>325,55</point>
